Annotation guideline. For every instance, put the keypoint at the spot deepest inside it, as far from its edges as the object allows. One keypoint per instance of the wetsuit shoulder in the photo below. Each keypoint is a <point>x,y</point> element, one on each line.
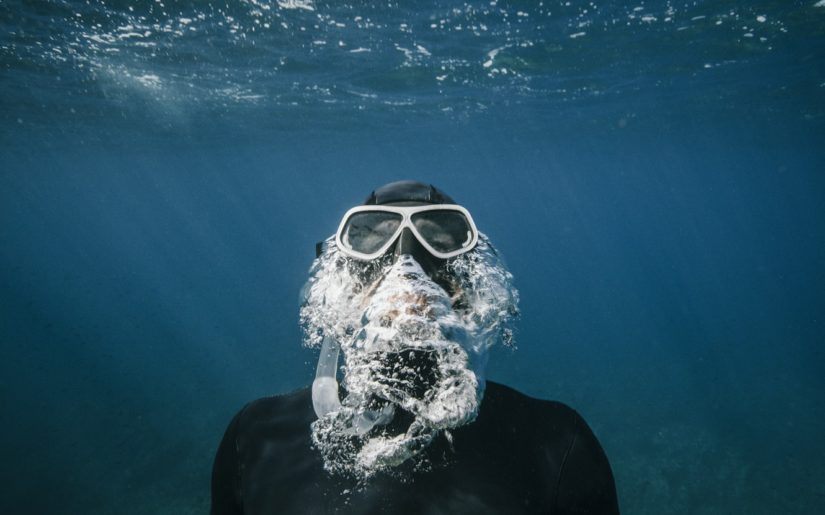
<point>289,408</point>
<point>568,450</point>
<point>520,410</point>
<point>285,413</point>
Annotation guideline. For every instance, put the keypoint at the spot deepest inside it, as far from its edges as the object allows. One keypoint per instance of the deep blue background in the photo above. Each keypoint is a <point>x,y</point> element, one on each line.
<point>667,235</point>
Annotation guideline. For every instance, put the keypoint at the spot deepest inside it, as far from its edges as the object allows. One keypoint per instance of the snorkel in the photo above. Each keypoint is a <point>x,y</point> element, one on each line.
<point>325,386</point>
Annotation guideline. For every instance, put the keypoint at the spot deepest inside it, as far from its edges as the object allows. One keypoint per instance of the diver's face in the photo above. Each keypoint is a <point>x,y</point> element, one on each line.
<point>405,301</point>
<point>413,360</point>
<point>406,306</point>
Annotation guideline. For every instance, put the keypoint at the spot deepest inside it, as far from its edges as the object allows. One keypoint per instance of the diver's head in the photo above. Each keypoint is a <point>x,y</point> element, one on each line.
<point>413,296</point>
<point>408,218</point>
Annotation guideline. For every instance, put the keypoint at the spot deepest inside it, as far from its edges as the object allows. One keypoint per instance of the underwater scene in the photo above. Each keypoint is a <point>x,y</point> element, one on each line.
<point>652,173</point>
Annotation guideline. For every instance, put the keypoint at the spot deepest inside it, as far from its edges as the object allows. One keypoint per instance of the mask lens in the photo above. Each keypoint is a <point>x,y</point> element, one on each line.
<point>366,232</point>
<point>445,230</point>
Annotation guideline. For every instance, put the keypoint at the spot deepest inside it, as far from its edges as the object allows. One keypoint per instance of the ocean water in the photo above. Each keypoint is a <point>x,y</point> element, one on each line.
<point>653,173</point>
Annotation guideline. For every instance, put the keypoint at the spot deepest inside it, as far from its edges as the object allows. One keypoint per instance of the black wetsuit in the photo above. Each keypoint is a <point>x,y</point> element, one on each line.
<point>521,455</point>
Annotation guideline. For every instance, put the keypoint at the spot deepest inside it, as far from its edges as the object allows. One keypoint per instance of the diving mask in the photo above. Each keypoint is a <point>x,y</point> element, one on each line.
<point>444,230</point>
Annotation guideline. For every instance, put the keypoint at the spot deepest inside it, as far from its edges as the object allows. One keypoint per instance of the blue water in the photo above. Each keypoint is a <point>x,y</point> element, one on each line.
<point>652,173</point>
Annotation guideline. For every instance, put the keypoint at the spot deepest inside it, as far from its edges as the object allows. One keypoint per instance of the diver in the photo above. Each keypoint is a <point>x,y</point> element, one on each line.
<point>413,296</point>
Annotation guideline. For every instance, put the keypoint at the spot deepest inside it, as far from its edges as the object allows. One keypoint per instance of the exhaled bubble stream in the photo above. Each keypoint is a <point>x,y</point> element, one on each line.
<point>414,354</point>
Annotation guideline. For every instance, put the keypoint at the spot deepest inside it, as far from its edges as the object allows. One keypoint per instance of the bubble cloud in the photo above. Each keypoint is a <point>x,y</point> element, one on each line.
<point>414,354</point>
